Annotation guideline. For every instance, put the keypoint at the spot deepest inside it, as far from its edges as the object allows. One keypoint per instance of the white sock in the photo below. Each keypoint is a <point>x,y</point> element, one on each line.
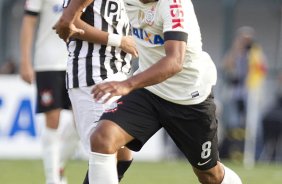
<point>50,155</point>
<point>69,141</point>
<point>230,177</point>
<point>102,168</point>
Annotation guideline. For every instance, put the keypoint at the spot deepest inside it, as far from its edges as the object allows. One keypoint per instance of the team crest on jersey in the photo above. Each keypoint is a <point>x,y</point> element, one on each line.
<point>46,97</point>
<point>147,17</point>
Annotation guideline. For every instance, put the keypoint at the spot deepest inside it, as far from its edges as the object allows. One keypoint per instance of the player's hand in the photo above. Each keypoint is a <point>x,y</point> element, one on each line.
<point>128,45</point>
<point>27,72</point>
<point>106,91</point>
<point>66,29</point>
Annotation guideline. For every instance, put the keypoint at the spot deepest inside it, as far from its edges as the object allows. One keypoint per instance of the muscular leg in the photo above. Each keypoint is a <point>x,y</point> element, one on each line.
<point>106,140</point>
<point>124,157</point>
<point>124,160</point>
<point>211,176</point>
<point>217,175</point>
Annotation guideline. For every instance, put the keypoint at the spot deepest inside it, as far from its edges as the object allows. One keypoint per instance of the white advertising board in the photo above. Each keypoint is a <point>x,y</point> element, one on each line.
<point>20,127</point>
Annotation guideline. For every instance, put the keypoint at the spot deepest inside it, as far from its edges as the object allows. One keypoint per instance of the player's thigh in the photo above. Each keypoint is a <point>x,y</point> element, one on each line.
<point>137,114</point>
<point>86,112</point>
<point>194,130</point>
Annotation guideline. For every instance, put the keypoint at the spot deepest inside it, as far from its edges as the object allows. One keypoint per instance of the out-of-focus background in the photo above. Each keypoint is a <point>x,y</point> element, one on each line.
<point>250,116</point>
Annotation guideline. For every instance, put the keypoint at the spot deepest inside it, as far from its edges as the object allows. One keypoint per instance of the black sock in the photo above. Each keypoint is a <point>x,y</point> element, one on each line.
<point>86,181</point>
<point>122,167</point>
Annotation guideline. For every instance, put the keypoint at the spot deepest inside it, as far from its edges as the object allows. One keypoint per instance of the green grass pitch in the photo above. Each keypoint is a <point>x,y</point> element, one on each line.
<point>167,172</point>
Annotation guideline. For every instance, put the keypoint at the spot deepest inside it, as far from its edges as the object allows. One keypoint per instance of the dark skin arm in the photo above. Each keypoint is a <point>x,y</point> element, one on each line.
<point>65,27</point>
<point>165,68</point>
<point>91,34</point>
<point>94,35</point>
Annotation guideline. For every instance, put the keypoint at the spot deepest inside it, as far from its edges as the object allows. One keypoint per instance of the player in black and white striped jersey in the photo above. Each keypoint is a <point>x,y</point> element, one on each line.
<point>101,53</point>
<point>100,60</point>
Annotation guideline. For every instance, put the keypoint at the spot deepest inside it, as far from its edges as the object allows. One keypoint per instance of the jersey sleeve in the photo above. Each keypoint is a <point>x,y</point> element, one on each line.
<point>33,7</point>
<point>174,19</point>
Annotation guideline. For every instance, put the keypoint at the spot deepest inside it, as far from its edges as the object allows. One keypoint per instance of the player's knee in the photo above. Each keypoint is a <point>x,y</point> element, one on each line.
<point>102,140</point>
<point>100,143</point>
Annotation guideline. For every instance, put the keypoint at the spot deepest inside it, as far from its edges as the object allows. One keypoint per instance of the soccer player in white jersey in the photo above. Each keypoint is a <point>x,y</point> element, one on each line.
<point>171,89</point>
<point>98,55</point>
<point>48,68</point>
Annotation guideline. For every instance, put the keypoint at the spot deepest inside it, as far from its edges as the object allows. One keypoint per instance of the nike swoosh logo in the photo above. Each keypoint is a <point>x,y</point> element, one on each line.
<point>200,164</point>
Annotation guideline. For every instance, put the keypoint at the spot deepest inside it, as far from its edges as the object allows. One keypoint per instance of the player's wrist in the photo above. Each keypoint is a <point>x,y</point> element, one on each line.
<point>114,40</point>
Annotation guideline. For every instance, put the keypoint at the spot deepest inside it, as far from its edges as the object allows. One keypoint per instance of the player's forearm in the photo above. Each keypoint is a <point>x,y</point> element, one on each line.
<point>91,34</point>
<point>94,35</point>
<point>26,37</point>
<point>165,68</point>
<point>159,72</point>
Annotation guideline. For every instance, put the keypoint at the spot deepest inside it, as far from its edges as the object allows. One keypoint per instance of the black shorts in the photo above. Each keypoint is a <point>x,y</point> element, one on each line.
<point>193,128</point>
<point>51,91</point>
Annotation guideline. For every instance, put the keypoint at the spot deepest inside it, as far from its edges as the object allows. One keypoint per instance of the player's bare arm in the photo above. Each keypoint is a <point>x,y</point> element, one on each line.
<point>165,68</point>
<point>168,66</point>
<point>26,40</point>
<point>94,35</point>
<point>65,27</point>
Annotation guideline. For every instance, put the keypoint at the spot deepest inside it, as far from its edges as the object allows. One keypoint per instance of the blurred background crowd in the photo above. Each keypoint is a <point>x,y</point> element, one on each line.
<point>244,38</point>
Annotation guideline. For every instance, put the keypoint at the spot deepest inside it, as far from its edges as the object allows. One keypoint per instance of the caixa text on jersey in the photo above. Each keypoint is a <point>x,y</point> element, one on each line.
<point>148,37</point>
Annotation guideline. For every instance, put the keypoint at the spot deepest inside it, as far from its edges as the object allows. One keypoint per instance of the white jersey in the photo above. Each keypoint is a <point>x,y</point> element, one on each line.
<point>153,24</point>
<point>50,51</point>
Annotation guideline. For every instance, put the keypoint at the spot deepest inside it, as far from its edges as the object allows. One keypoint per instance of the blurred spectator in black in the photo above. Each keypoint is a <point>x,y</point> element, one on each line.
<point>243,69</point>
<point>272,128</point>
<point>8,67</point>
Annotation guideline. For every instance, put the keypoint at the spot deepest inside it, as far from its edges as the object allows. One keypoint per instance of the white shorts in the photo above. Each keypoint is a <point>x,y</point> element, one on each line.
<point>86,111</point>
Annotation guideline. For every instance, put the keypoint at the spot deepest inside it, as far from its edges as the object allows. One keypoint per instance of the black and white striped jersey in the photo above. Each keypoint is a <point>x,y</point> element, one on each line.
<point>90,63</point>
